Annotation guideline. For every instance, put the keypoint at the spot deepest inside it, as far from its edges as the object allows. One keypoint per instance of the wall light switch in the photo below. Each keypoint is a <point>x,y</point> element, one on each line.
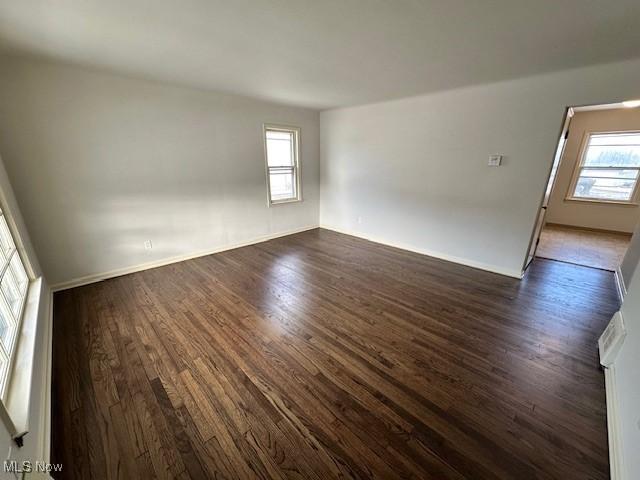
<point>495,160</point>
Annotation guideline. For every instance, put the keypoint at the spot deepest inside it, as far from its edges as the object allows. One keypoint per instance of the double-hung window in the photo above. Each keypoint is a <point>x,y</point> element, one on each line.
<point>608,169</point>
<point>13,292</point>
<point>282,152</point>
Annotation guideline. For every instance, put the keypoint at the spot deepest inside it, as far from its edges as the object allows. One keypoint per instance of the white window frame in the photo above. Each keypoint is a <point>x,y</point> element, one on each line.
<point>633,201</point>
<point>296,162</point>
<point>9,353</point>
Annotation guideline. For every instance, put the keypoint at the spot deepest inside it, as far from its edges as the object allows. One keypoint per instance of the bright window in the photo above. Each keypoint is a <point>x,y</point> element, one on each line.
<point>608,170</point>
<point>282,145</point>
<point>13,292</point>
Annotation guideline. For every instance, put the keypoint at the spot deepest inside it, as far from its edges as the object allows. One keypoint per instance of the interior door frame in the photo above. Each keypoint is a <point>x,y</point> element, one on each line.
<point>548,189</point>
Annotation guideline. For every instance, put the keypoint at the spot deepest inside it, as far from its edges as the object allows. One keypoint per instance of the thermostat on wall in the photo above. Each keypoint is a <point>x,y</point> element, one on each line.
<point>495,160</point>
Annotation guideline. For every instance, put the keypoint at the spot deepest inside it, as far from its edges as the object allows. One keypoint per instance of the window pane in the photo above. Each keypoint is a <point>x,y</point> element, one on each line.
<point>608,151</point>
<point>4,365</point>
<point>279,148</point>
<point>604,188</point>
<point>11,292</point>
<point>19,273</point>
<point>282,184</point>
<point>613,157</point>
<point>613,150</point>
<point>7,326</point>
<point>615,139</point>
<point>6,241</point>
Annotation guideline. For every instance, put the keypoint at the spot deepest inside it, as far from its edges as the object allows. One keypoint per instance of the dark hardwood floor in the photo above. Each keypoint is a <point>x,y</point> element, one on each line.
<point>320,356</point>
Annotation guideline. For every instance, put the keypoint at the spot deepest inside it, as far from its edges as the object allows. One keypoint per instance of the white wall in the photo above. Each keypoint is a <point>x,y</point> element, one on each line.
<point>415,170</point>
<point>621,218</point>
<point>100,163</point>
<point>631,257</point>
<point>627,382</point>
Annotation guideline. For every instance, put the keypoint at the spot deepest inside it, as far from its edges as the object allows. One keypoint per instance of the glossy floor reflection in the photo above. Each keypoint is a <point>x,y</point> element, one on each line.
<point>320,355</point>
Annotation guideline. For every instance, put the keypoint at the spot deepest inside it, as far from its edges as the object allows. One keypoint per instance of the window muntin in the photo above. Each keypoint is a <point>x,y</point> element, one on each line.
<point>14,283</point>
<point>609,168</point>
<point>282,152</point>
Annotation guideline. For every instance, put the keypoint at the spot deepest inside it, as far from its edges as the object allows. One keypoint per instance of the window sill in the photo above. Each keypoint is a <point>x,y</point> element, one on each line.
<point>603,202</point>
<point>282,202</point>
<point>14,410</point>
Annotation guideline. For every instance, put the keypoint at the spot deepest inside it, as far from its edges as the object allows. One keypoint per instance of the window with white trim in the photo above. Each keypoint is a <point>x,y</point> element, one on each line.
<point>608,169</point>
<point>282,147</point>
<point>13,293</point>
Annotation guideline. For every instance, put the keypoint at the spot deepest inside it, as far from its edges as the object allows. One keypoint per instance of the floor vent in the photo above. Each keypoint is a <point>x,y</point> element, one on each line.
<point>611,340</point>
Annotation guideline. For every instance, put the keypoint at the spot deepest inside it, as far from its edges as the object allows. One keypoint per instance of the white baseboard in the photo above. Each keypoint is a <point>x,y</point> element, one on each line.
<point>442,256</point>
<point>613,426</point>
<point>97,277</point>
<point>620,286</point>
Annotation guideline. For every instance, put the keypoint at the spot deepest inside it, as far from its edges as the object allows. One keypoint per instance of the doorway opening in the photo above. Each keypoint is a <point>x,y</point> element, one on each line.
<point>590,208</point>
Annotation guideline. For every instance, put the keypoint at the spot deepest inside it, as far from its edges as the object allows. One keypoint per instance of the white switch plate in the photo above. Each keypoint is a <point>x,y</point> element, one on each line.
<point>148,245</point>
<point>495,160</point>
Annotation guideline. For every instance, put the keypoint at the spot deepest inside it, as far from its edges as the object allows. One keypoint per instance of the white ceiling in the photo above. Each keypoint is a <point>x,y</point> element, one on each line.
<point>324,53</point>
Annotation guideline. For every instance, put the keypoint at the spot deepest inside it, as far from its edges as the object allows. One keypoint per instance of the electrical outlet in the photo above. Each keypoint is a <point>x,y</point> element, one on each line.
<point>359,220</point>
<point>148,245</point>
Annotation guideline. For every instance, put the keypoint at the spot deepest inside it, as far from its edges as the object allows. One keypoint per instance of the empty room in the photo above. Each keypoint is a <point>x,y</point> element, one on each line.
<point>274,239</point>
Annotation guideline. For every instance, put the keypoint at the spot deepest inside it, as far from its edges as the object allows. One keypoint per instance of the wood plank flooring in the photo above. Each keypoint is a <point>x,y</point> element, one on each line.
<point>597,249</point>
<point>320,355</point>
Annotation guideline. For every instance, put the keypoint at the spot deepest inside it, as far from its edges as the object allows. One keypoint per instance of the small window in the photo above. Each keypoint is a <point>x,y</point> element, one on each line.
<point>13,293</point>
<point>608,170</point>
<point>282,146</point>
